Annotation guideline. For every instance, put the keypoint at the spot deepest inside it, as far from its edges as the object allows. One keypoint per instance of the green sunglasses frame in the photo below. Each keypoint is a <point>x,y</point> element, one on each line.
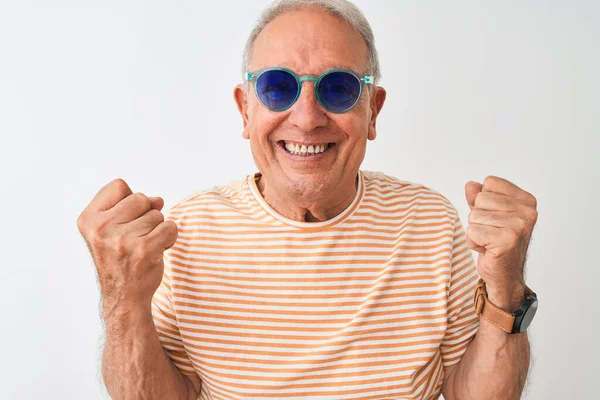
<point>363,79</point>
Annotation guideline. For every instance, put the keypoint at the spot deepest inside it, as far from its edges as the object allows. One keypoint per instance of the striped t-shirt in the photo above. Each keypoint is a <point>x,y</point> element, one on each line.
<point>371,304</point>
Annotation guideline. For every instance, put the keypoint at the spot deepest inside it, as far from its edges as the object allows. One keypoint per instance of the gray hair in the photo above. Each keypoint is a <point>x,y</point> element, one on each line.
<point>342,9</point>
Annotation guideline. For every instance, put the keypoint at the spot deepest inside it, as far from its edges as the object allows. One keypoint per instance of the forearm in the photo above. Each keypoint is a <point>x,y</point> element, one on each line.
<point>495,365</point>
<point>134,365</point>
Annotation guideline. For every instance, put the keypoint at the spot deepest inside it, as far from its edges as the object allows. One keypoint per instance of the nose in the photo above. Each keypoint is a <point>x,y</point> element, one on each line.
<point>307,114</point>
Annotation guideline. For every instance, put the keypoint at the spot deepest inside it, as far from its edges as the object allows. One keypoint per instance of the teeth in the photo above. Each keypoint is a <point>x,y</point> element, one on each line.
<point>303,150</point>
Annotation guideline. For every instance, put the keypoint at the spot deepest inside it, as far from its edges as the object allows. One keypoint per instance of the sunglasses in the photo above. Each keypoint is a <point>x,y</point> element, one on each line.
<point>338,90</point>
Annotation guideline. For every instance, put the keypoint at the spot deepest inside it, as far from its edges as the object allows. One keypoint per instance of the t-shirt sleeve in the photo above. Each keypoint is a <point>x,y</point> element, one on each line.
<point>463,321</point>
<point>165,319</point>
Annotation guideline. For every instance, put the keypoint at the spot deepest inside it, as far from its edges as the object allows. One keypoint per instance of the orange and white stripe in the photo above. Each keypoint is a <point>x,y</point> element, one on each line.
<point>371,304</point>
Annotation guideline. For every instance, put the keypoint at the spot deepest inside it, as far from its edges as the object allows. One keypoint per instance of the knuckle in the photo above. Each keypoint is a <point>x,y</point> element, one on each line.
<point>156,215</point>
<point>490,180</point>
<point>174,234</point>
<point>513,239</point>
<point>139,196</point>
<point>532,215</point>
<point>142,199</point>
<point>523,227</point>
<point>119,246</point>
<point>97,234</point>
<point>94,236</point>
<point>88,221</point>
<point>171,230</point>
<point>533,201</point>
<point>142,251</point>
<point>515,234</point>
<point>172,226</point>
<point>119,183</point>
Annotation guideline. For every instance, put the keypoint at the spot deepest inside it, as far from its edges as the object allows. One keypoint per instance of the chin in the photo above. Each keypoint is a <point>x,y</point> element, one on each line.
<point>311,186</point>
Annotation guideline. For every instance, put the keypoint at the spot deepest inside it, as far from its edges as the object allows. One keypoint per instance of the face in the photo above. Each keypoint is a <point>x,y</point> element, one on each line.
<point>309,42</point>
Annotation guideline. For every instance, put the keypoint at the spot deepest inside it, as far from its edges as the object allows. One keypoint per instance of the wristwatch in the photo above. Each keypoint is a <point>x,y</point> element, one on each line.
<point>516,322</point>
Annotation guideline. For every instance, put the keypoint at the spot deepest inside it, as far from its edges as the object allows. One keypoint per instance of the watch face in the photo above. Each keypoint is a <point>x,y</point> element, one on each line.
<point>528,316</point>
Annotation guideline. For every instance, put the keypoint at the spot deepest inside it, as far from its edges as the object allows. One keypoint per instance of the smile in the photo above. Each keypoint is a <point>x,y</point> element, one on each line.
<point>305,149</point>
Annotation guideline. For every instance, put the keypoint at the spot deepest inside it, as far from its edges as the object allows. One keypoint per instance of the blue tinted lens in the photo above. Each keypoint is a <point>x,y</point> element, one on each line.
<point>276,89</point>
<point>339,91</point>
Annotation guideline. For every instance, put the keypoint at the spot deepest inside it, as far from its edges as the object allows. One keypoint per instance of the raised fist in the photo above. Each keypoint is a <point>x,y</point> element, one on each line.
<point>127,235</point>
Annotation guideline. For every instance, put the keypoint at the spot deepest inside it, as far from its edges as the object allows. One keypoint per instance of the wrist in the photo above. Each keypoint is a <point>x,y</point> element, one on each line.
<point>507,297</point>
<point>125,312</point>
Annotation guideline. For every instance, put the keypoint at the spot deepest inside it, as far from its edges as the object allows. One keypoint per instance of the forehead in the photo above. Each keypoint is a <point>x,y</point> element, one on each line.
<point>309,41</point>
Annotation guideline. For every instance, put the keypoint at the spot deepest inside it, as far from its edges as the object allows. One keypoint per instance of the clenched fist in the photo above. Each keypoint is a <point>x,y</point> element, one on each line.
<point>127,235</point>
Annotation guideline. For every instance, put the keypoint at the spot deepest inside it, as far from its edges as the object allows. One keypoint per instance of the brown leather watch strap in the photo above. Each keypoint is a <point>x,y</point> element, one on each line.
<point>490,311</point>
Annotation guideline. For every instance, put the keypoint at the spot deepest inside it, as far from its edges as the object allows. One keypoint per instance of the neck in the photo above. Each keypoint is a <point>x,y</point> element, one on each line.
<point>308,210</point>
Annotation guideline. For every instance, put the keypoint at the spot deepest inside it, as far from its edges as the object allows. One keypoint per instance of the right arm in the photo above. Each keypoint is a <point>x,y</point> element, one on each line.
<point>134,365</point>
<point>127,235</point>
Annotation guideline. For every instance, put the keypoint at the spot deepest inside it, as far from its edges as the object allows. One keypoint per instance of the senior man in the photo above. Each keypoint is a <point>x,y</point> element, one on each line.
<point>312,278</point>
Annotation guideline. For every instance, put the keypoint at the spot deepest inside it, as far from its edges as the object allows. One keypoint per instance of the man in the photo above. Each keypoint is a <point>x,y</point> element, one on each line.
<point>313,279</point>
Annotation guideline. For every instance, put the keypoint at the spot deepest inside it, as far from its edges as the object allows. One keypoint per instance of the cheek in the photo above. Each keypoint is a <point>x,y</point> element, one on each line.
<point>261,124</point>
<point>355,122</point>
<point>354,126</point>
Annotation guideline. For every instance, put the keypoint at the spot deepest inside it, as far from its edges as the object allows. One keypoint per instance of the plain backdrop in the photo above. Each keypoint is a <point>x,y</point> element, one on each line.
<point>142,90</point>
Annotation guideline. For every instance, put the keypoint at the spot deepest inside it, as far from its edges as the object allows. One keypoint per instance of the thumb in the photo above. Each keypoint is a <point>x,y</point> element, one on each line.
<point>471,190</point>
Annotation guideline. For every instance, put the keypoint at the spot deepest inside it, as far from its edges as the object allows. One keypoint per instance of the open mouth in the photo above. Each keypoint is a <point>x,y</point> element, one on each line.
<point>305,149</point>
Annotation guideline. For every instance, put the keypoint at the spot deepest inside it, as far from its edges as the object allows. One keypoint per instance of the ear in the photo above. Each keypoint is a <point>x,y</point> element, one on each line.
<point>376,104</point>
<point>241,100</point>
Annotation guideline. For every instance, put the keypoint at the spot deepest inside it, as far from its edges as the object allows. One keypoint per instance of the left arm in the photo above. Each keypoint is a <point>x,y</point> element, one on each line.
<point>501,221</point>
<point>495,364</point>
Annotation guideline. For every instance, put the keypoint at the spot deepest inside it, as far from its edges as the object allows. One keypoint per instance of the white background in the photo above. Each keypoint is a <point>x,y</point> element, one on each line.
<point>92,91</point>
